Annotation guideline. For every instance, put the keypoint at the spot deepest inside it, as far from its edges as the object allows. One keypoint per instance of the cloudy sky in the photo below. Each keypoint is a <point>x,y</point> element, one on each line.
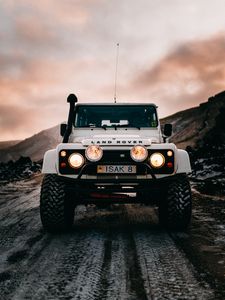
<point>171,53</point>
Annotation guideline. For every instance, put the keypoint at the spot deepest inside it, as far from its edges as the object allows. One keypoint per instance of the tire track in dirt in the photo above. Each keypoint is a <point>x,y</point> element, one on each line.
<point>119,278</point>
<point>16,205</point>
<point>166,272</point>
<point>69,267</point>
<point>110,254</point>
<point>204,242</point>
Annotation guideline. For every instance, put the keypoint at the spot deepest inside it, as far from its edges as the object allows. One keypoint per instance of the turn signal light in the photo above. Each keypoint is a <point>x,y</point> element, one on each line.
<point>63,153</point>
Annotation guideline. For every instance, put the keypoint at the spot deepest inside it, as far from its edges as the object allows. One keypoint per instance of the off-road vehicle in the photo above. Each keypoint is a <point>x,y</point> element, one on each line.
<point>114,153</point>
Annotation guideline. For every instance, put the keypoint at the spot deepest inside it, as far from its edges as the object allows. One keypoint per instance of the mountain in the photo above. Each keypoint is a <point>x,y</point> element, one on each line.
<point>7,144</point>
<point>194,127</point>
<point>33,147</point>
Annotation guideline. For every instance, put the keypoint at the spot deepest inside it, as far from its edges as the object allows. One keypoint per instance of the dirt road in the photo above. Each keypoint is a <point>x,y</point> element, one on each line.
<point>118,253</point>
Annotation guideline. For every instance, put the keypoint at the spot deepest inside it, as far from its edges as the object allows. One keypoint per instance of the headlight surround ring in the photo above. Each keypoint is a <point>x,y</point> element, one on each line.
<point>76,160</point>
<point>94,153</point>
<point>139,153</point>
<point>157,160</point>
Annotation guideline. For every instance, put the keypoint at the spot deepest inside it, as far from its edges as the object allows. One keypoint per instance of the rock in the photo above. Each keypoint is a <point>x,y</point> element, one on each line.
<point>23,168</point>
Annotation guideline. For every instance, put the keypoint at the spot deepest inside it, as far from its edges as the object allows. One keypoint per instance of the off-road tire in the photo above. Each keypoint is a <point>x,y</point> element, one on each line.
<point>176,204</point>
<point>56,210</point>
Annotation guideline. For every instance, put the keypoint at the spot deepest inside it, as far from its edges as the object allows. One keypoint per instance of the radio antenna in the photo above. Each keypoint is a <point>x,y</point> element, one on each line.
<point>117,58</point>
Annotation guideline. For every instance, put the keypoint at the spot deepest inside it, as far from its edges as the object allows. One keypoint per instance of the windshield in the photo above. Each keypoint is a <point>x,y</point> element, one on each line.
<point>105,116</point>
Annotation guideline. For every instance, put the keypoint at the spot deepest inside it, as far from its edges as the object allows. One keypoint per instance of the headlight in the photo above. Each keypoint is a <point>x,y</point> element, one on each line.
<point>76,160</point>
<point>157,160</point>
<point>94,153</point>
<point>138,153</point>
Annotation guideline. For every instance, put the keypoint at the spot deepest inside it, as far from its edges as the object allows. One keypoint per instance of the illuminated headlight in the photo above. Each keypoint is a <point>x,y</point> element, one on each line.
<point>76,160</point>
<point>157,160</point>
<point>138,153</point>
<point>94,153</point>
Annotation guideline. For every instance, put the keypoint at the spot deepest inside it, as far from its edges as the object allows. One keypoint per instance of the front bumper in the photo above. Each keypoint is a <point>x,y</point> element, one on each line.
<point>142,190</point>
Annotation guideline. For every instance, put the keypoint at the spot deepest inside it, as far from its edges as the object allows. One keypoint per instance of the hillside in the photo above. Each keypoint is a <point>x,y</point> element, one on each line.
<point>192,126</point>
<point>33,147</point>
<point>7,144</point>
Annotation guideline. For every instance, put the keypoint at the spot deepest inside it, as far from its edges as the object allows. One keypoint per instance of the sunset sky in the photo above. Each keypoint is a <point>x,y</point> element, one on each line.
<point>171,53</point>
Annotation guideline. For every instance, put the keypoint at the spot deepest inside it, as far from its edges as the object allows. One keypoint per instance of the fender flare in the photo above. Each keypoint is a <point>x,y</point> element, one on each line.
<point>50,162</point>
<point>183,162</point>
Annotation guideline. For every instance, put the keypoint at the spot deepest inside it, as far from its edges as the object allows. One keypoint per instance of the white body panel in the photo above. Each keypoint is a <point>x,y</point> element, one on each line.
<point>87,135</point>
<point>183,162</point>
<point>50,162</point>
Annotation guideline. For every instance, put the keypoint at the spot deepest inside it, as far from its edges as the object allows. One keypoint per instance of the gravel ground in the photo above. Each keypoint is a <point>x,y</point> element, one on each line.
<point>116,253</point>
<point>204,242</point>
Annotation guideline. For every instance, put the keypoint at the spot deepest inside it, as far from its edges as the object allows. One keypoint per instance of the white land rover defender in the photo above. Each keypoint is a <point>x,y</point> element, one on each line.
<point>114,153</point>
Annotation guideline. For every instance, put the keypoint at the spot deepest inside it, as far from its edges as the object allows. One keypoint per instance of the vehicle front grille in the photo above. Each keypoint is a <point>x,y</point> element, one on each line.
<point>119,156</point>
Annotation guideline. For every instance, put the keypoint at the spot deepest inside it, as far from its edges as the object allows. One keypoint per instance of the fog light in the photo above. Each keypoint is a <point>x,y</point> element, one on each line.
<point>94,153</point>
<point>76,160</point>
<point>138,153</point>
<point>157,160</point>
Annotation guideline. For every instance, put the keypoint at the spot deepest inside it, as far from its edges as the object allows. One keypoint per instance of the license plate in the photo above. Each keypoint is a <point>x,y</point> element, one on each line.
<point>111,169</point>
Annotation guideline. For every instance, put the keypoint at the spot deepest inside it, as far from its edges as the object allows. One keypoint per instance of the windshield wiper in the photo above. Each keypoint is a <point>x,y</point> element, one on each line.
<point>119,125</point>
<point>112,126</point>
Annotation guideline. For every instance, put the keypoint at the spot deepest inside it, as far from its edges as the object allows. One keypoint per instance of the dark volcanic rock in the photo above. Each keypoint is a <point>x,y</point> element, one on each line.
<point>20,169</point>
<point>208,157</point>
<point>201,130</point>
<point>208,172</point>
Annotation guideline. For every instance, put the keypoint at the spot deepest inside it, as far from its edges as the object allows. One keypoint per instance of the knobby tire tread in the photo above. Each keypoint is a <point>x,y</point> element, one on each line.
<point>175,207</point>
<point>56,211</point>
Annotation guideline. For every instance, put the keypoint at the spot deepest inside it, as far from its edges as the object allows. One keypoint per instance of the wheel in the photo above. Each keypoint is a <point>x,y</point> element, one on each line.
<point>56,211</point>
<point>176,204</point>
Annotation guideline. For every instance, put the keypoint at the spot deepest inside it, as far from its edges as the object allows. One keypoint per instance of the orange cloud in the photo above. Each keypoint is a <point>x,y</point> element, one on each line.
<point>72,13</point>
<point>187,76</point>
<point>36,99</point>
<point>34,83</point>
<point>30,29</point>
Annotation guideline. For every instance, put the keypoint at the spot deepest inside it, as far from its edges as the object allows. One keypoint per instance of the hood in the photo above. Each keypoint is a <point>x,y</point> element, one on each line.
<point>115,137</point>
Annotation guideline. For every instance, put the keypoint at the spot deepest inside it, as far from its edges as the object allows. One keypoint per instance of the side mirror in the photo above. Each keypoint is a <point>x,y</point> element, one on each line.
<point>63,127</point>
<point>167,130</point>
